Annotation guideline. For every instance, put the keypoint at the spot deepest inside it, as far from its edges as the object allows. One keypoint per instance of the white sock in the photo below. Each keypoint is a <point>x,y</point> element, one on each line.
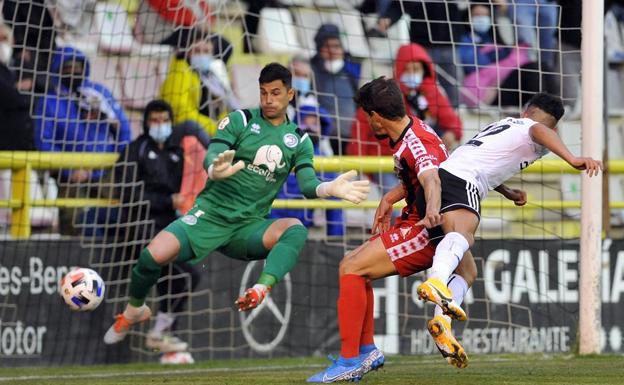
<point>163,322</point>
<point>261,287</point>
<point>458,286</point>
<point>448,254</point>
<point>133,313</point>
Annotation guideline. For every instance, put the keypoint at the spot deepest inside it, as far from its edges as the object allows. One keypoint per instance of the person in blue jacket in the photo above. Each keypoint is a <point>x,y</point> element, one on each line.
<point>78,115</point>
<point>313,120</point>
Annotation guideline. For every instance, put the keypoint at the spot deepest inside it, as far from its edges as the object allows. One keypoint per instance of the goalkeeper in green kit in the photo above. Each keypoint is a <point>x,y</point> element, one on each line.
<point>248,161</point>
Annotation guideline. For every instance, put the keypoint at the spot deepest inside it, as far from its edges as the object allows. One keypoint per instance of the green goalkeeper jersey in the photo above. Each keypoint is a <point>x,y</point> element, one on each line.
<point>269,153</point>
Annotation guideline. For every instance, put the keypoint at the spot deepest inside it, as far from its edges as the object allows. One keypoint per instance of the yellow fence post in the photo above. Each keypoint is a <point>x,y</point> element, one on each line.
<point>20,189</point>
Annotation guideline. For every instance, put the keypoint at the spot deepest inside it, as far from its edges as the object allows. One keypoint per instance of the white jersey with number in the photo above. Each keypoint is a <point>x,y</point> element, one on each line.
<point>495,154</point>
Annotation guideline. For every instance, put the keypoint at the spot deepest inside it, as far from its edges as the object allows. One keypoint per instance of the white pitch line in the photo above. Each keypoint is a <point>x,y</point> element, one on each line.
<point>202,370</point>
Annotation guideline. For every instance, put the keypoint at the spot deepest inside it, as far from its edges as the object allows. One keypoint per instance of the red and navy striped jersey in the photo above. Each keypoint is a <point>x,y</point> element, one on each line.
<point>418,149</point>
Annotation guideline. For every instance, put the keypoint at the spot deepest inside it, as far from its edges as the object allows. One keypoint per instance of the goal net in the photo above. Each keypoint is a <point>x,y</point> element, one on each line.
<point>81,74</point>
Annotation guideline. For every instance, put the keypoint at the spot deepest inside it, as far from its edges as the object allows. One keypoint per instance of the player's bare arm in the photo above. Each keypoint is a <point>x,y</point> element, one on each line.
<point>430,181</point>
<point>383,214</point>
<point>519,197</point>
<point>548,138</point>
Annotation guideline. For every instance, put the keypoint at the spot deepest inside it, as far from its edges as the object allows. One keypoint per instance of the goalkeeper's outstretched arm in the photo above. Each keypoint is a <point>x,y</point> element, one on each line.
<point>344,186</point>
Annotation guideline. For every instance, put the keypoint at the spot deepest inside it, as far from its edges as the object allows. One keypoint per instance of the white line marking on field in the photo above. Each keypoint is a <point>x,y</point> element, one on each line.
<point>201,371</point>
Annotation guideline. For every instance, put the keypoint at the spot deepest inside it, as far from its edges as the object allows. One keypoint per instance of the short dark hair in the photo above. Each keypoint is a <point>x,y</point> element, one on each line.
<point>548,103</point>
<point>157,105</point>
<point>275,71</point>
<point>382,96</point>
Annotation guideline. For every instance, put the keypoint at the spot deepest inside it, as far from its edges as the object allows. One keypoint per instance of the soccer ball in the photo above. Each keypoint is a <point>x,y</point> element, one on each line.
<point>82,289</point>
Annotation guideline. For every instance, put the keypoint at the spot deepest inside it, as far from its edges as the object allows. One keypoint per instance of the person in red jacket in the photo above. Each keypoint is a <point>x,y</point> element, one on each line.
<point>416,74</point>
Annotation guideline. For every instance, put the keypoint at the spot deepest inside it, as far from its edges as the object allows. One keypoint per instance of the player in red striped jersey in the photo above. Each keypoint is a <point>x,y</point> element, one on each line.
<point>402,248</point>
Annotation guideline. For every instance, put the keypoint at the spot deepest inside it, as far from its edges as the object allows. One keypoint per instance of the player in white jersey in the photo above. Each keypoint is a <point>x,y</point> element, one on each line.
<point>484,163</point>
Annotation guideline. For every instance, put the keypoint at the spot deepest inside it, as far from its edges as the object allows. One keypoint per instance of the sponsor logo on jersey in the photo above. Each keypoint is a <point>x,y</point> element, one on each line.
<point>269,156</point>
<point>290,140</point>
<point>223,123</point>
<point>425,158</point>
<point>255,128</point>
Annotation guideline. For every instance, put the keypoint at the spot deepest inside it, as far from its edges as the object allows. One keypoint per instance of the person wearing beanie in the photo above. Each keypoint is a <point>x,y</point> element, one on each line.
<point>336,78</point>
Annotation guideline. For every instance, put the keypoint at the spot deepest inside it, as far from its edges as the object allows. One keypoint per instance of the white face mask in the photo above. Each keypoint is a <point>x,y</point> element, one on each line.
<point>481,24</point>
<point>334,66</point>
<point>411,80</point>
<point>6,51</point>
<point>201,62</point>
<point>160,132</point>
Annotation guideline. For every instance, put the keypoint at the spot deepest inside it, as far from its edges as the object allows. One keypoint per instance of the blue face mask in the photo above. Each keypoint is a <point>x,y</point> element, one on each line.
<point>411,80</point>
<point>160,132</point>
<point>201,62</point>
<point>481,24</point>
<point>301,84</point>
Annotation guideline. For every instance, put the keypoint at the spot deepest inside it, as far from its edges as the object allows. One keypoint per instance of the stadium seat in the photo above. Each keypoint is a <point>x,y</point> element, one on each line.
<point>340,4</point>
<point>353,38</point>
<point>245,83</point>
<point>110,21</point>
<point>140,79</point>
<point>386,48</point>
<point>372,69</point>
<point>111,24</point>
<point>276,32</point>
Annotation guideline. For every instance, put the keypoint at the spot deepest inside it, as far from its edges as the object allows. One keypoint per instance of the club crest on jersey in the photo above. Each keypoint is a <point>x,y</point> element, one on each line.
<point>223,123</point>
<point>290,140</point>
<point>255,128</point>
<point>189,219</point>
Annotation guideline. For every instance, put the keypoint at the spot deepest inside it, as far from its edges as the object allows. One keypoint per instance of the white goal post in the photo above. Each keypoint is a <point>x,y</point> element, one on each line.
<point>592,85</point>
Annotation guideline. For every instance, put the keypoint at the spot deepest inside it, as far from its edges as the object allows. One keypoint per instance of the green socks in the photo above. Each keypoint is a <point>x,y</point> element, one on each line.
<point>283,256</point>
<point>145,274</point>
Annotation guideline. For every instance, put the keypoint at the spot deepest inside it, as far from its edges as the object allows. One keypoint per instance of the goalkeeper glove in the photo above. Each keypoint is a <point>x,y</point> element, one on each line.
<point>345,187</point>
<point>222,166</point>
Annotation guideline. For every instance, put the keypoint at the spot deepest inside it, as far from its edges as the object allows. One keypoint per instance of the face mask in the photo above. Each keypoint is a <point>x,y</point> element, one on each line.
<point>71,81</point>
<point>481,24</point>
<point>301,84</point>
<point>201,62</point>
<point>411,80</point>
<point>160,132</point>
<point>334,66</point>
<point>6,51</point>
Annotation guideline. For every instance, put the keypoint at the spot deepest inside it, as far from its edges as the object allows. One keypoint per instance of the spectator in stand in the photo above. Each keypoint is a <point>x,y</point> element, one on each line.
<point>416,75</point>
<point>494,74</point>
<point>158,156</point>
<point>336,78</point>
<point>435,26</point>
<point>34,40</point>
<point>197,85</point>
<point>313,120</point>
<point>614,45</point>
<point>536,24</point>
<point>17,126</point>
<point>301,82</point>
<point>78,115</point>
<point>571,14</point>
<point>159,21</point>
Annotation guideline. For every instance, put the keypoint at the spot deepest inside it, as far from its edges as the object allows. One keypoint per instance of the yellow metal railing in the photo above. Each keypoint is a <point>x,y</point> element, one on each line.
<point>23,162</point>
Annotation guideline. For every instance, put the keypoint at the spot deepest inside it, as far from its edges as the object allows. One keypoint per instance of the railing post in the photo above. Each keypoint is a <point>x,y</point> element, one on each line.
<point>20,189</point>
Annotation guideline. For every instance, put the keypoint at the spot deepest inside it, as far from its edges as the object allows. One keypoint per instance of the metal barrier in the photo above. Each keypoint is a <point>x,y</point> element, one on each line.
<point>23,162</point>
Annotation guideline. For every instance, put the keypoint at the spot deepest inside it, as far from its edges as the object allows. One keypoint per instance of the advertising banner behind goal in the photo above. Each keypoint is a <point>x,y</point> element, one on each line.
<point>525,301</point>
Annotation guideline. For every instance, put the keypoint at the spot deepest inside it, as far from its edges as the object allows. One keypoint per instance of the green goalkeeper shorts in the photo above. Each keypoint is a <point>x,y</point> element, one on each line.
<point>199,235</point>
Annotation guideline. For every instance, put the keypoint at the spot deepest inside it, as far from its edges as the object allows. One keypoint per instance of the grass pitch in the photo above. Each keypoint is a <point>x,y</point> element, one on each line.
<point>482,370</point>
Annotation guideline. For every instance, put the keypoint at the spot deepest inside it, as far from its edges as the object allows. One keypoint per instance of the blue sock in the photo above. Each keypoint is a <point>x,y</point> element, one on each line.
<point>367,348</point>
